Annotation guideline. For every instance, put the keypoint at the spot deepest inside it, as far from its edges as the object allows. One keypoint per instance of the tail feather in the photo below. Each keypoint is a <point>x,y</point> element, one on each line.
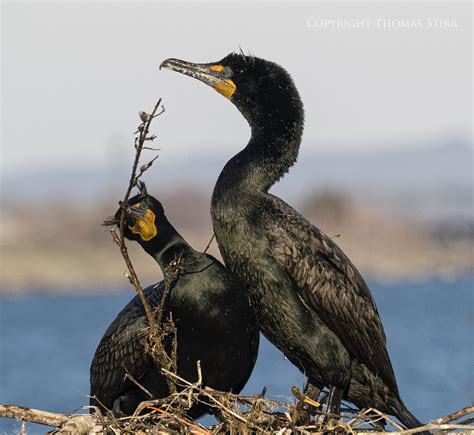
<point>408,419</point>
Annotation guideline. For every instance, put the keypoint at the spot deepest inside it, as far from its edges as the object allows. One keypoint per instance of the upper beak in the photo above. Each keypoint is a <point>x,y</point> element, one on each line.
<point>131,215</point>
<point>202,72</point>
<point>134,212</point>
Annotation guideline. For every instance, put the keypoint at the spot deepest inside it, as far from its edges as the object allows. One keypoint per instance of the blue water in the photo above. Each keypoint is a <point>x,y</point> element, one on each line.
<point>47,343</point>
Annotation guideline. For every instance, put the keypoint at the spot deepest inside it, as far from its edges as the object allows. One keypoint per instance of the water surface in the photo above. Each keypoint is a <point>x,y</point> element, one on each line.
<point>47,344</point>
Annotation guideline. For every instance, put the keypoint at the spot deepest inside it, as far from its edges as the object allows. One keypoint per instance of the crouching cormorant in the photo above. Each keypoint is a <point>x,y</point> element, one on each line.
<point>310,300</point>
<point>210,309</point>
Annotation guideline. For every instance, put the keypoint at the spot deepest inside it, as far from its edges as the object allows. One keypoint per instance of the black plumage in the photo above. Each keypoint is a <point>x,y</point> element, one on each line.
<point>310,300</point>
<point>210,309</point>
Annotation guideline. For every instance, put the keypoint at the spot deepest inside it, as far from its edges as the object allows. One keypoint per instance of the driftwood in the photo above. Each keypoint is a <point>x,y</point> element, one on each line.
<point>32,415</point>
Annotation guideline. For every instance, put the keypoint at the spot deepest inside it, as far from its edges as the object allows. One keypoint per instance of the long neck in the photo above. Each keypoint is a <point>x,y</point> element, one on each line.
<point>169,245</point>
<point>273,148</point>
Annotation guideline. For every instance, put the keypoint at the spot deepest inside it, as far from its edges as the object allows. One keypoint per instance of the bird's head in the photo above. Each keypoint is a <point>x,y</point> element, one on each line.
<point>260,89</point>
<point>144,219</point>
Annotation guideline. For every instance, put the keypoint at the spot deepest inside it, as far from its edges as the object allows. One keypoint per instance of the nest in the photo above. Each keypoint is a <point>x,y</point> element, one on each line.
<point>235,414</point>
<point>256,414</point>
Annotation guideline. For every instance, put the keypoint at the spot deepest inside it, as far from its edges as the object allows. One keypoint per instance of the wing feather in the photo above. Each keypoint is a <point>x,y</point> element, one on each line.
<point>328,283</point>
<point>121,350</point>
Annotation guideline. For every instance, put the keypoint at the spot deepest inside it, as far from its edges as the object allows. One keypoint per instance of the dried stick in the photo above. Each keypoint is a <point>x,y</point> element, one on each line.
<point>181,420</point>
<point>143,405</point>
<point>143,136</point>
<point>156,333</point>
<point>205,393</point>
<point>455,415</point>
<point>443,427</point>
<point>209,244</point>
<point>133,380</point>
<point>32,415</point>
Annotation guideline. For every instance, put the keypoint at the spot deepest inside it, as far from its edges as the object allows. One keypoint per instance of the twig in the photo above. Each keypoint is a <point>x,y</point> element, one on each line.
<point>182,420</point>
<point>205,393</point>
<point>145,167</point>
<point>199,371</point>
<point>134,381</point>
<point>156,335</point>
<point>209,244</point>
<point>170,275</point>
<point>386,417</point>
<point>143,131</point>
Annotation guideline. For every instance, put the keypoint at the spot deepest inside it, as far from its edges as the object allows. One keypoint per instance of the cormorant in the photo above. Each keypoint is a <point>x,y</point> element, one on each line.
<point>210,309</point>
<point>310,300</point>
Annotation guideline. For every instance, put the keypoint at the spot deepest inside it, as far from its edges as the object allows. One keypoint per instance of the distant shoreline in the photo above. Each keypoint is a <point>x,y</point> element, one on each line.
<point>123,288</point>
<point>61,247</point>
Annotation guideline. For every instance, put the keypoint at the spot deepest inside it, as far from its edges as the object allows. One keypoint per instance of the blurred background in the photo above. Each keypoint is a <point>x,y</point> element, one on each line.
<point>386,165</point>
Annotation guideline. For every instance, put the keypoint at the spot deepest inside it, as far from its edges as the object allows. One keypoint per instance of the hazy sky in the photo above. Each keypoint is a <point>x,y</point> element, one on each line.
<point>75,74</point>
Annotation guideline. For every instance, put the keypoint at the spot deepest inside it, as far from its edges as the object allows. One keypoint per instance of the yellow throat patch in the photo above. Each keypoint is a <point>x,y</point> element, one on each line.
<point>226,87</point>
<point>145,226</point>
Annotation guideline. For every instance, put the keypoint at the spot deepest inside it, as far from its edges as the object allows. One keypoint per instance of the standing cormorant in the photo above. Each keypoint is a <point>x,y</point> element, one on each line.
<point>210,309</point>
<point>310,300</point>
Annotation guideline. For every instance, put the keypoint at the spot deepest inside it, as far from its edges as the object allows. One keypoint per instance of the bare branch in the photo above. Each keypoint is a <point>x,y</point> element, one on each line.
<point>209,244</point>
<point>154,343</point>
<point>143,132</point>
<point>32,415</point>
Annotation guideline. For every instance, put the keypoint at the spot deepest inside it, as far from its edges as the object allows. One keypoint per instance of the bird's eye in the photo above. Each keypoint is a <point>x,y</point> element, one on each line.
<point>226,73</point>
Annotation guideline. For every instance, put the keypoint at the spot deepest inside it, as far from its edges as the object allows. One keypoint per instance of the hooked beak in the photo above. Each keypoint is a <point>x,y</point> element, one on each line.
<point>131,215</point>
<point>134,212</point>
<point>207,73</point>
